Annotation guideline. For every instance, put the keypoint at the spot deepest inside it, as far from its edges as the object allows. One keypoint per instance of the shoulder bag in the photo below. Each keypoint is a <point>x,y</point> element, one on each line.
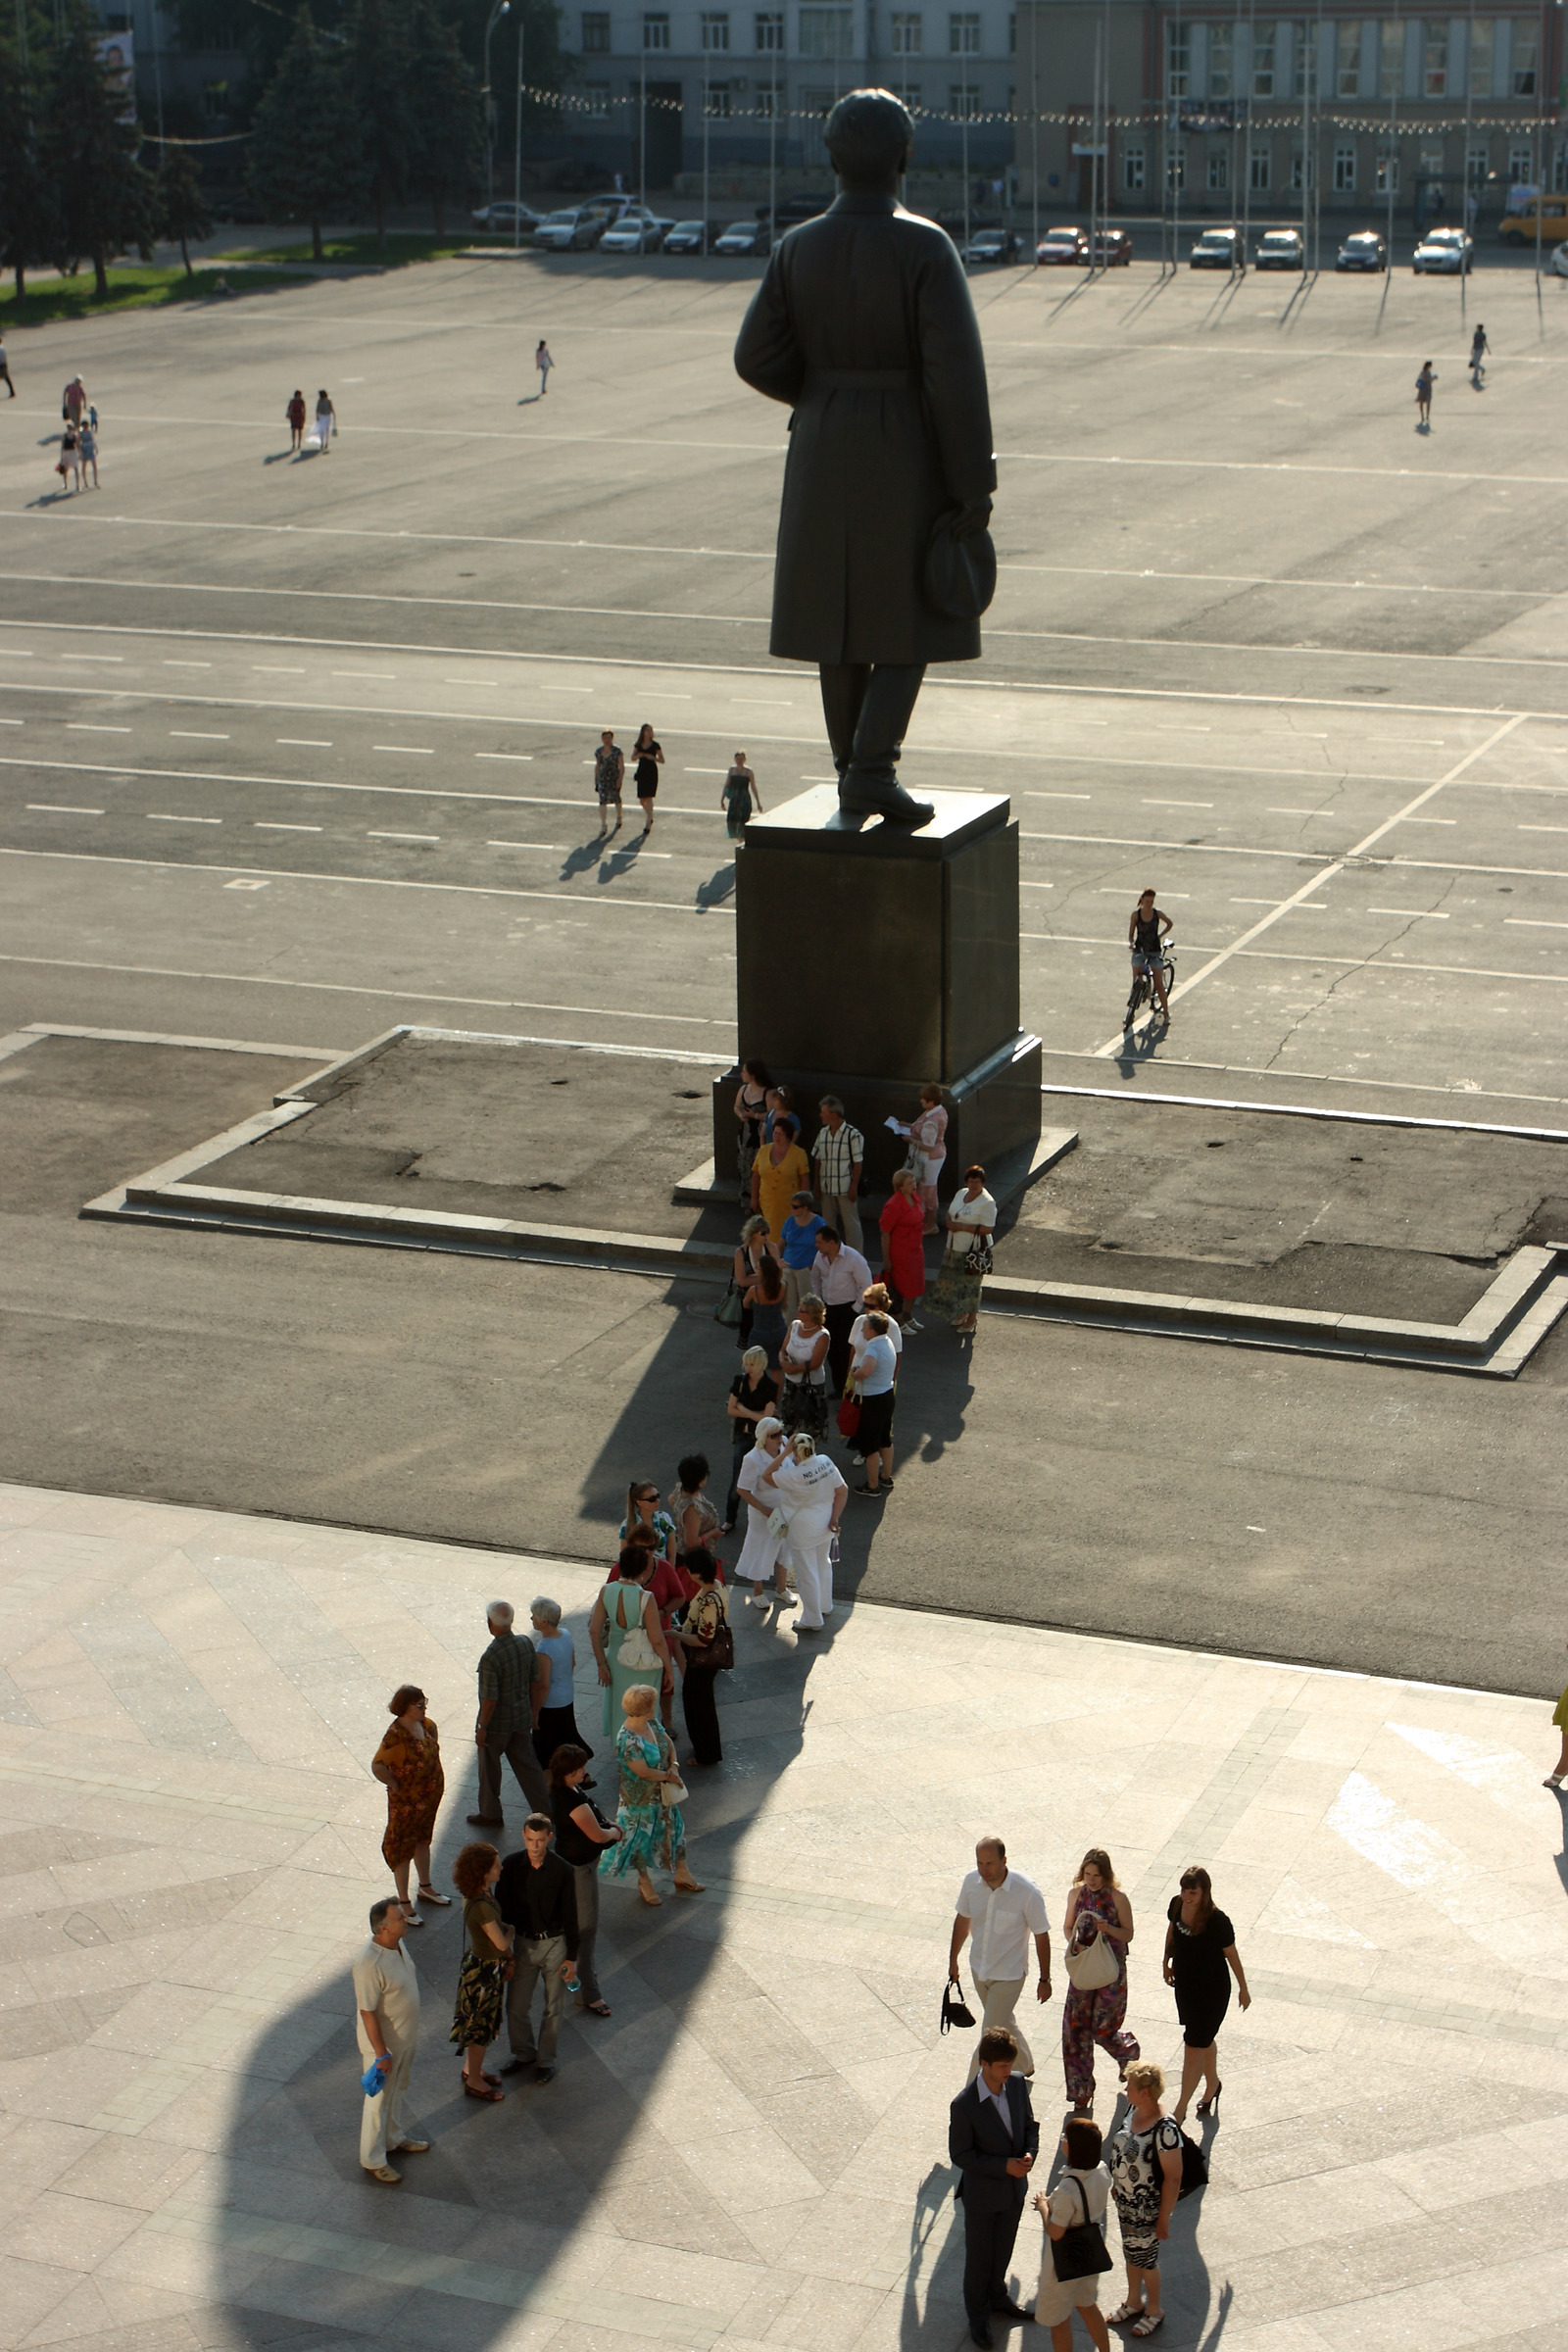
<point>1094,1967</point>
<point>1195,2164</point>
<point>636,1651</point>
<point>1080,2251</point>
<point>729,1309</point>
<point>955,2010</point>
<point>849,1415</point>
<point>714,1654</point>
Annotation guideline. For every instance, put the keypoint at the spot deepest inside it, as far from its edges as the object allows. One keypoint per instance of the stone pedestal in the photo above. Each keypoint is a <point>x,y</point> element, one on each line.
<point>869,960</point>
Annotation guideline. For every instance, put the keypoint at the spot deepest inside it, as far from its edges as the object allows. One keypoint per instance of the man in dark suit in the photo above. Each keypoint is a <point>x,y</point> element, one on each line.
<point>864,325</point>
<point>993,2138</point>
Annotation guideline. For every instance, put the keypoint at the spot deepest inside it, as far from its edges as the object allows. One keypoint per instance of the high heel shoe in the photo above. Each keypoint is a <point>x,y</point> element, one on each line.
<point>1211,2106</point>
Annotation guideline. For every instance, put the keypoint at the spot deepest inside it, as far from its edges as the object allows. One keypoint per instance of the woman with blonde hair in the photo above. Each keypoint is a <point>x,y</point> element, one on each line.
<point>927,1132</point>
<point>1097,1929</point>
<point>1146,2181</point>
<point>803,1362</point>
<point>903,1249</point>
<point>649,1816</point>
<point>753,1398</point>
<point>812,1490</point>
<point>407,1764</point>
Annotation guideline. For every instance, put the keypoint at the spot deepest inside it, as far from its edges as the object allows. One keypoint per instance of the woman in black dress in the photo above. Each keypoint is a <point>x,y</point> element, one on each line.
<point>649,758</point>
<point>1201,1958</point>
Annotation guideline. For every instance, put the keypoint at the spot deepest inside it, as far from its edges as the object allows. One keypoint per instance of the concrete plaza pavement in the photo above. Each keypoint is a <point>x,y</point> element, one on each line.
<point>752,2151</point>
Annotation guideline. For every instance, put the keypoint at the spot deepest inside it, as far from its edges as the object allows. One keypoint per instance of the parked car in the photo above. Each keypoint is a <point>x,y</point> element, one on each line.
<point>744,236</point>
<point>1063,248</point>
<point>636,232</point>
<point>1281,249</point>
<point>1363,248</point>
<point>1444,253</point>
<point>499,219</point>
<point>794,209</point>
<point>1559,261</point>
<point>992,245</point>
<point>1111,248</point>
<point>572,230</point>
<point>1519,228</point>
<point>691,236</point>
<point>1218,249</point>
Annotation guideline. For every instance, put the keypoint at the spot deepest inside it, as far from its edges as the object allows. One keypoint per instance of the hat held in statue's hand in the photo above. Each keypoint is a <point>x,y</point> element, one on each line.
<point>960,574</point>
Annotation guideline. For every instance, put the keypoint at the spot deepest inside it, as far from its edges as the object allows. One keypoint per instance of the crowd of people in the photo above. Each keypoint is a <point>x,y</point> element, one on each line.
<point>78,435</point>
<point>1144,2163</point>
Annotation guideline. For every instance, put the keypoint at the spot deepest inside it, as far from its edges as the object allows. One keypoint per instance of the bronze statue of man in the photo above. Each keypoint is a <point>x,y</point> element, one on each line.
<point>864,325</point>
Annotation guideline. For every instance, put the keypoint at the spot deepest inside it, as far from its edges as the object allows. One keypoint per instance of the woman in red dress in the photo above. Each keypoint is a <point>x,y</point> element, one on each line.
<point>903,1223</point>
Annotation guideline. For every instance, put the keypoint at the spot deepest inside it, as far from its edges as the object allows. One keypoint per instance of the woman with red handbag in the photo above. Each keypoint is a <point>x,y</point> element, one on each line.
<point>902,1224</point>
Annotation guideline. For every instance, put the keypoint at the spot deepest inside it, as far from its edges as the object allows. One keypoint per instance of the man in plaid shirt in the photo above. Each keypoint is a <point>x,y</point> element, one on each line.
<point>839,1153</point>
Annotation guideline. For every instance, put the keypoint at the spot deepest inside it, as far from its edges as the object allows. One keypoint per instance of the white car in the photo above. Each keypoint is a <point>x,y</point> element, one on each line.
<point>1444,252</point>
<point>1559,261</point>
<point>569,231</point>
<point>636,232</point>
<point>501,219</point>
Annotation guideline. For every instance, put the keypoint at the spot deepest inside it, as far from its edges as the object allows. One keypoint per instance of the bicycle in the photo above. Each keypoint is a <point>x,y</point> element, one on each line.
<point>1143,988</point>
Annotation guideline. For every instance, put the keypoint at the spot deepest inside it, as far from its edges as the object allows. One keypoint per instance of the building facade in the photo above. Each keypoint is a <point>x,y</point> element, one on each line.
<point>1233,110</point>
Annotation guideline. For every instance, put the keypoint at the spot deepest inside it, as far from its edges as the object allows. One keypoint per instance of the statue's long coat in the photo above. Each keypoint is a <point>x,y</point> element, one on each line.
<point>868,288</point>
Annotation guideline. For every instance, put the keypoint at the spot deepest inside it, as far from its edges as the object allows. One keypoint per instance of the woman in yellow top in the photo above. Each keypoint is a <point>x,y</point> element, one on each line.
<point>779,1172</point>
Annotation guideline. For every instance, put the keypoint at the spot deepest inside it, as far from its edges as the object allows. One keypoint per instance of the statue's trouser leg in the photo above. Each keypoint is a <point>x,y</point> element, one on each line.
<point>868,710</point>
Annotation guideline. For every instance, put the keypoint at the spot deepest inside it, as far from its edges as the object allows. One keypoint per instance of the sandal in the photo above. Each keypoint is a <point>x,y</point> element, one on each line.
<point>442,1902</point>
<point>597,2008</point>
<point>1148,2323</point>
<point>482,2090</point>
<point>690,1886</point>
<point>1124,2315</point>
<point>654,1902</point>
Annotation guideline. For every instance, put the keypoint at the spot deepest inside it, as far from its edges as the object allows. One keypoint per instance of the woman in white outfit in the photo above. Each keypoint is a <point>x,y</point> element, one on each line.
<point>763,1554</point>
<point>811,1489</point>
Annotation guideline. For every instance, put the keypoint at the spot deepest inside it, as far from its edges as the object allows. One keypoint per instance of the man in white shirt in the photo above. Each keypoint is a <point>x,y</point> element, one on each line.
<point>839,1275</point>
<point>1002,1909</point>
<point>386,1996</point>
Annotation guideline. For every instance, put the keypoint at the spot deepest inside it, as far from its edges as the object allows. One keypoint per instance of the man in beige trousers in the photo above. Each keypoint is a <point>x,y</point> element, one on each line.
<point>1002,1909</point>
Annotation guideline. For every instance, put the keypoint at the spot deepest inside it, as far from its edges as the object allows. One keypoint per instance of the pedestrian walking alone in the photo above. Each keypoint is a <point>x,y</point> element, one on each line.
<point>1201,1958</point>
<point>544,362</point>
<point>1000,1909</point>
<point>295,412</point>
<point>1097,1929</point>
<point>737,798</point>
<point>648,755</point>
<point>1422,397</point>
<point>1479,348</point>
<point>609,775</point>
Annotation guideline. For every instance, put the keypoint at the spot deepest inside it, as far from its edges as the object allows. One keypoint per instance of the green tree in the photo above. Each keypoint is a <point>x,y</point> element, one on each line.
<point>31,224</point>
<point>105,195</point>
<point>380,72</point>
<point>305,154</point>
<point>179,206</point>
<point>449,116</point>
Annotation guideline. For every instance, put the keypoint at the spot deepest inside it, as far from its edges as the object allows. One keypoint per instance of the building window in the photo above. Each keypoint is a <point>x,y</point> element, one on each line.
<point>770,34</point>
<point>715,33</point>
<point>1434,60</point>
<point>656,32</point>
<point>1348,62</point>
<point>767,107</point>
<point>1012,34</point>
<point>827,32</point>
<point>1259,170</point>
<point>718,105</point>
<point>1521,167</point>
<point>908,94</point>
<point>595,33</point>
<point>1475,167</point>
<point>909,34</point>
<point>597,94</point>
<point>1479,68</point>
<point>964,34</point>
<point>1221,79</point>
<point>1264,66</point>
<point>818,102</point>
<point>1387,178</point>
<point>964,103</point>
<point>1176,169</point>
<point>1390,58</point>
<point>1178,60</point>
<point>1296,171</point>
<point>1219,170</point>
<point>215,101</point>
<point>1132,170</point>
<point>1345,170</point>
<point>1525,50</point>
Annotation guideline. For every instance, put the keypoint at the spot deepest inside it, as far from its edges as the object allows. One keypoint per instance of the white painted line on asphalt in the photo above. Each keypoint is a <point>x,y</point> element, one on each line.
<point>271,670</point>
<point>61,808</point>
<point>407,750</point>
<point>1176,803</point>
<point>13,723</point>
<point>248,882</point>
<point>1058,796</point>
<point>463,890</point>
<point>1526,922</point>
<point>551,846</point>
<point>524,759</point>
<point>690,771</point>
<point>1373,967</point>
<point>213,1045</point>
<point>87,727</point>
<point>193,735</point>
<point>273,824</point>
<point>1541,828</point>
<point>17,653</point>
<point>91,658</point>
<point>163,816</point>
<point>1428,915</point>
<point>1304,813</point>
<point>345,988</point>
<point>187,664</point>
<point>304,743</point>
<point>488,682</point>
<point>1305,906</point>
<point>1430,820</point>
<point>379,677</point>
<point>1040,886</point>
<point>1321,880</point>
<point>403,837</point>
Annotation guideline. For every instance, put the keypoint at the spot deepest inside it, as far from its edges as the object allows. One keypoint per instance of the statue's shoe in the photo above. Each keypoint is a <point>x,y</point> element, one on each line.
<point>857,798</point>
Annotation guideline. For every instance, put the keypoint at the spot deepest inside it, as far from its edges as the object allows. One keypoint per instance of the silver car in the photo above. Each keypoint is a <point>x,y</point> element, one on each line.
<point>572,230</point>
<point>1444,253</point>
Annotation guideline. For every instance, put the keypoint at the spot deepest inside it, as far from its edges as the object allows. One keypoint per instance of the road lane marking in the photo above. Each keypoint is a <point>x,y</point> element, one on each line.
<point>596,896</point>
<point>1426,914</point>
<point>61,808</point>
<point>164,816</point>
<point>88,726</point>
<point>403,837</point>
<point>194,735</point>
<point>274,824</point>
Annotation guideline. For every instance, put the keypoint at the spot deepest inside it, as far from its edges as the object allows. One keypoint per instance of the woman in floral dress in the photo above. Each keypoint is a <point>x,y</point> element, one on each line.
<point>649,1830</point>
<point>407,1764</point>
<point>486,1969</point>
<point>1095,1904</point>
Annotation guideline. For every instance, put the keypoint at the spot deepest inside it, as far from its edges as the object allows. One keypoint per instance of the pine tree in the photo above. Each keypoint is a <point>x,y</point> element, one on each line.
<point>305,159</point>
<point>105,195</point>
<point>179,204</point>
<point>31,225</point>
<point>449,137</point>
<point>381,80</point>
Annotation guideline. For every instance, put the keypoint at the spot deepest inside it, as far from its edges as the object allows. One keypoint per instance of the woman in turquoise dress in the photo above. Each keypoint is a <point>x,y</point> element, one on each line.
<point>625,1616</point>
<point>651,1831</point>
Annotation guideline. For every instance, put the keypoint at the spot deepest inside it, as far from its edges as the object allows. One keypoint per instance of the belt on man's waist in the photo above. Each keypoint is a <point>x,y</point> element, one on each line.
<point>861,379</point>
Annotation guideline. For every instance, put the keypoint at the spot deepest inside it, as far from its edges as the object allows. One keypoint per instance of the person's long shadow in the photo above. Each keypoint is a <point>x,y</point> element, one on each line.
<point>718,888</point>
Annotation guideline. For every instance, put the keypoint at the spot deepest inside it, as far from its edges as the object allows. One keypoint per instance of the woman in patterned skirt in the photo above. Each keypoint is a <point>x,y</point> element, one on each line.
<point>1095,1905</point>
<point>487,1965</point>
<point>649,1830</point>
<point>1146,2181</point>
<point>407,1764</point>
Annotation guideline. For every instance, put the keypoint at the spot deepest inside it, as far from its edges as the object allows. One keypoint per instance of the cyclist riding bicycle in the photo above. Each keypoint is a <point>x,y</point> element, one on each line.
<point>1144,936</point>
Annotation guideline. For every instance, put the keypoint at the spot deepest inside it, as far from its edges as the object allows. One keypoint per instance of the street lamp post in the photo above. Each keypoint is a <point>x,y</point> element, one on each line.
<point>517,160</point>
<point>501,9</point>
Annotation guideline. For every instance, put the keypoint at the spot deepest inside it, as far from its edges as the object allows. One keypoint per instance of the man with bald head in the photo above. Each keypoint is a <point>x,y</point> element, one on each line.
<point>1002,1909</point>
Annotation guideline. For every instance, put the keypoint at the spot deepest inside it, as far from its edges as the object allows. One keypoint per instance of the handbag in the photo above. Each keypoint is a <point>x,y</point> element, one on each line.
<point>955,2010</point>
<point>848,1416</point>
<point>1093,1968</point>
<point>979,1259</point>
<point>1080,2251</point>
<point>778,1521</point>
<point>714,1654</point>
<point>636,1651</point>
<point>1195,2167</point>
<point>672,1793</point>
<point>729,1309</point>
